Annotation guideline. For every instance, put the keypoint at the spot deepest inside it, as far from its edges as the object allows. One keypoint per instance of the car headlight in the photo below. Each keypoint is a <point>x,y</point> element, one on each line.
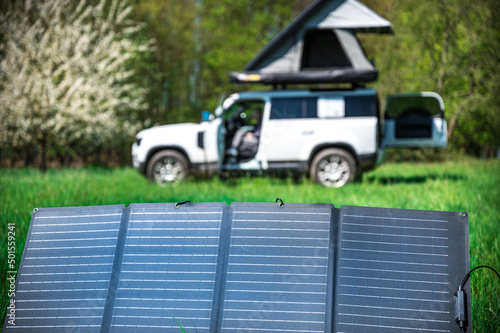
<point>138,141</point>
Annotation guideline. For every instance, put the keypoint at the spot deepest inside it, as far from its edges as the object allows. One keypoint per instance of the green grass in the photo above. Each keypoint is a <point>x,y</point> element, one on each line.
<point>470,185</point>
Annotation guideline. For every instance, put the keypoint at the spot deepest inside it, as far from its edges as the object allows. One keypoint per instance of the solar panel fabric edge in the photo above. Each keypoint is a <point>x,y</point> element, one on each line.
<point>397,269</point>
<point>58,297</point>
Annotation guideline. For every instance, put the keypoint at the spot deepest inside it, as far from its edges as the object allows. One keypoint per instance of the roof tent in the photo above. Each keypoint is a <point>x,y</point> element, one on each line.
<point>253,267</point>
<point>319,46</point>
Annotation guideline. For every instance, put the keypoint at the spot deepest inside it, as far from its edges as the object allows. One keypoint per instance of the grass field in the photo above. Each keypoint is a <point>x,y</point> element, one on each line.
<point>472,186</point>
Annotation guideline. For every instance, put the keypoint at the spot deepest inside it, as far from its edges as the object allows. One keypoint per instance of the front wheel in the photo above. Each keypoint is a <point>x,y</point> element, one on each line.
<point>167,166</point>
<point>333,167</point>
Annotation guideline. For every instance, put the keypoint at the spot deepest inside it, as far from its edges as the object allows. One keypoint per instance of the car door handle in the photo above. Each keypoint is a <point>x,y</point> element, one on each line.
<point>307,132</point>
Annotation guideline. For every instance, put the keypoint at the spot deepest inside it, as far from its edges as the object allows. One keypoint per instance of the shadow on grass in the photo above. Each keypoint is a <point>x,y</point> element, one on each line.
<point>234,178</point>
<point>390,180</point>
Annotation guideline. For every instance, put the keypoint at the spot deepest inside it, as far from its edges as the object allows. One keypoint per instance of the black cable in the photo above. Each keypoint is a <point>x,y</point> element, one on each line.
<point>466,277</point>
<point>461,299</point>
<point>181,203</point>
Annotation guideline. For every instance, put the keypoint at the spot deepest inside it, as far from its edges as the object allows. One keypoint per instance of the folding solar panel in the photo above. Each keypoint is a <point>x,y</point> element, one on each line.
<point>168,268</point>
<point>397,269</point>
<point>254,267</point>
<point>277,270</point>
<point>64,277</point>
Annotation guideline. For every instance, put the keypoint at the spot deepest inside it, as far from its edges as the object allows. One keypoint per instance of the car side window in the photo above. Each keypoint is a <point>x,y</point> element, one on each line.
<point>424,106</point>
<point>294,108</point>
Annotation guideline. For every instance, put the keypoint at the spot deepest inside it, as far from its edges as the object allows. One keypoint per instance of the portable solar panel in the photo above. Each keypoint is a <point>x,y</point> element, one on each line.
<point>397,269</point>
<point>65,273</point>
<point>278,268</point>
<point>253,267</point>
<point>168,268</point>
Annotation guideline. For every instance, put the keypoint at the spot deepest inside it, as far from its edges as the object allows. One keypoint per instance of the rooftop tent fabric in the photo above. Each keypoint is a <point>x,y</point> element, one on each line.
<point>355,16</point>
<point>322,49</point>
<point>319,46</point>
<point>327,56</point>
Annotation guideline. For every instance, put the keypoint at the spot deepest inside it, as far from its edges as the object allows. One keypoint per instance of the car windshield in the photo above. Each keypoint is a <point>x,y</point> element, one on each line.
<point>225,103</point>
<point>219,106</point>
<point>244,111</point>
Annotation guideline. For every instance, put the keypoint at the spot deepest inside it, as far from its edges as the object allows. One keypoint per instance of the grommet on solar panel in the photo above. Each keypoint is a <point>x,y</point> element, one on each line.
<point>281,202</point>
<point>177,205</point>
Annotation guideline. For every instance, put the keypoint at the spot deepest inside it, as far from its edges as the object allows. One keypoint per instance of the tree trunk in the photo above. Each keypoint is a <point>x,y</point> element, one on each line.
<point>43,162</point>
<point>60,157</point>
<point>444,49</point>
<point>28,156</point>
<point>64,159</point>
<point>12,156</point>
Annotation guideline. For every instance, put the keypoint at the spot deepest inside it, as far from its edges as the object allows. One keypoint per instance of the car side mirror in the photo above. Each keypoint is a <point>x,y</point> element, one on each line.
<point>206,116</point>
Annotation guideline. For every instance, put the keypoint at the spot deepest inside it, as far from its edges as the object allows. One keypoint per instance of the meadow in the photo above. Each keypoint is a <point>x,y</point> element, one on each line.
<point>465,185</point>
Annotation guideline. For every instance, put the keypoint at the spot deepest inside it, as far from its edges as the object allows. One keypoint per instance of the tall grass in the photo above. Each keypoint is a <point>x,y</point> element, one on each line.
<point>472,186</point>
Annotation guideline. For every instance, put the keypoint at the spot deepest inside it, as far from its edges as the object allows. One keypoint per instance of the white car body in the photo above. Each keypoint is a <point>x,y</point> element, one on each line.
<point>295,126</point>
<point>180,136</point>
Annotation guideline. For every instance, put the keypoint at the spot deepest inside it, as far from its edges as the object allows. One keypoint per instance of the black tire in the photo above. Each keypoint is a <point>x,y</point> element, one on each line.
<point>333,167</point>
<point>167,166</point>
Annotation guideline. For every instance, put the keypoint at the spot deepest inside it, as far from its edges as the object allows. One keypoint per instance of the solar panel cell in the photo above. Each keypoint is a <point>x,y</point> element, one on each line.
<point>277,268</point>
<point>394,271</point>
<point>169,267</point>
<point>66,267</point>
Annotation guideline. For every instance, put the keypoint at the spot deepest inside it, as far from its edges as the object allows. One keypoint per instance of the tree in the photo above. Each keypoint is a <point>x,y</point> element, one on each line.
<point>65,76</point>
<point>451,47</point>
<point>172,24</point>
<point>233,33</point>
<point>199,42</point>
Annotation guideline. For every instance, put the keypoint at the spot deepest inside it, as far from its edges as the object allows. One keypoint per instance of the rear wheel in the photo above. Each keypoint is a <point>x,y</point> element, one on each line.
<point>333,167</point>
<point>167,166</point>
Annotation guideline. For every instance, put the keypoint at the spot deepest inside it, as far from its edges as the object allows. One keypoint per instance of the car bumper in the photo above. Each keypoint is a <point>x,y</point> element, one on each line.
<point>367,162</point>
<point>140,166</point>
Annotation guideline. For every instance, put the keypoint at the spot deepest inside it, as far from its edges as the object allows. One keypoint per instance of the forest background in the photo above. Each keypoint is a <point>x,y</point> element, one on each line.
<point>78,79</point>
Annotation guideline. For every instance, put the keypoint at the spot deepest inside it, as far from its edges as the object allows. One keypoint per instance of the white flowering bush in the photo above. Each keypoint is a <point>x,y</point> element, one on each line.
<point>65,79</point>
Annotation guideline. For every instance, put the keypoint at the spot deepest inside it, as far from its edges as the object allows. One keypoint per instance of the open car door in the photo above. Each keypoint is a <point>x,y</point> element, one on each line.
<point>237,140</point>
<point>415,120</point>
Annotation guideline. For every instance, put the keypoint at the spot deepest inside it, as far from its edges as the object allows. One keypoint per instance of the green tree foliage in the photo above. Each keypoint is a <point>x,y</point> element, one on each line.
<point>198,42</point>
<point>248,27</point>
<point>171,23</point>
<point>451,47</point>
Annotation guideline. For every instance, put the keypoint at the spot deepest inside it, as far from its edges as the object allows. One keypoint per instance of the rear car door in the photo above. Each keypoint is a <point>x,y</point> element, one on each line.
<point>292,122</point>
<point>415,120</point>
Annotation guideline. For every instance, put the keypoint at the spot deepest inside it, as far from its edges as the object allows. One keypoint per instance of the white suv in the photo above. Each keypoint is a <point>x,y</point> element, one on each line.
<point>331,134</point>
